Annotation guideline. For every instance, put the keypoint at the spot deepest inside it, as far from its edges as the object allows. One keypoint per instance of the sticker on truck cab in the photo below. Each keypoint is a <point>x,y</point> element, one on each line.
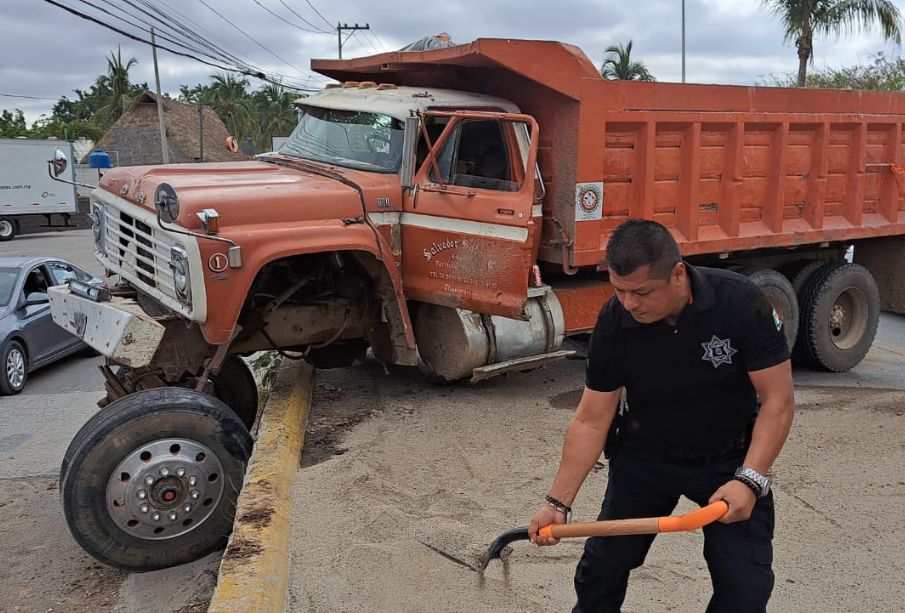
<point>588,201</point>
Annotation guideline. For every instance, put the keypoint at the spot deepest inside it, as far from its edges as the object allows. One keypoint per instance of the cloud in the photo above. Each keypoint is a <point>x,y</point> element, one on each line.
<point>48,52</point>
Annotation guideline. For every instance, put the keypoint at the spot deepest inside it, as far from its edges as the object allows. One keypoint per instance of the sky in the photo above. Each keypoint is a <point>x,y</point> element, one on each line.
<point>46,52</point>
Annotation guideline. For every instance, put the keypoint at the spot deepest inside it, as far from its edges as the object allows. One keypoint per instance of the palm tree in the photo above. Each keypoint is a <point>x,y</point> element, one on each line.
<point>619,65</point>
<point>228,96</point>
<point>803,19</point>
<point>119,89</point>
<point>275,113</point>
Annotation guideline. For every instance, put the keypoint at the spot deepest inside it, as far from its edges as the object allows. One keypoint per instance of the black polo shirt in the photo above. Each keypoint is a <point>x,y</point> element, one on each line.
<point>689,393</point>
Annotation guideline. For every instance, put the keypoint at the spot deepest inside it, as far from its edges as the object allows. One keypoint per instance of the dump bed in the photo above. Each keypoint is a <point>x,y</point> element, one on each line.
<point>727,168</point>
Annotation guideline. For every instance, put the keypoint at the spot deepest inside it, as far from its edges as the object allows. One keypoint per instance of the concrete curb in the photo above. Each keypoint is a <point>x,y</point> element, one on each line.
<point>254,571</point>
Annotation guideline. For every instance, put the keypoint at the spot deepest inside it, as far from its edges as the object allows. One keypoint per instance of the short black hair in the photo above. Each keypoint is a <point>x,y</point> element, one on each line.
<point>639,242</point>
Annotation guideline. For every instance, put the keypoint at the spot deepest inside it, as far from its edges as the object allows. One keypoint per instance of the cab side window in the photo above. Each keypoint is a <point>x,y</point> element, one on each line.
<point>477,155</point>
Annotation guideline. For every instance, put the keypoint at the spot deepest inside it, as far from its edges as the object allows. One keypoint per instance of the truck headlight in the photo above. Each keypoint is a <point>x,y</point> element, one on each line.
<point>179,264</point>
<point>99,226</point>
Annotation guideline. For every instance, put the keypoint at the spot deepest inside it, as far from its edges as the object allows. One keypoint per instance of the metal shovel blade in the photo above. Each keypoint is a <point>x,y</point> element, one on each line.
<point>496,547</point>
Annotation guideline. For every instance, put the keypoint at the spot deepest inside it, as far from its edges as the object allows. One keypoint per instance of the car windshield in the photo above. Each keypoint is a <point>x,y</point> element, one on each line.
<point>364,141</point>
<point>7,283</point>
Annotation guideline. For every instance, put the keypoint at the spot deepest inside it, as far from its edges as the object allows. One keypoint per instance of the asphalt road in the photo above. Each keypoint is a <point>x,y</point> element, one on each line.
<point>45,569</point>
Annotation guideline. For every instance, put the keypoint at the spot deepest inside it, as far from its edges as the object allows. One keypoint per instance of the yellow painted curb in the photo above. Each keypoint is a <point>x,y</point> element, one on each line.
<point>254,571</point>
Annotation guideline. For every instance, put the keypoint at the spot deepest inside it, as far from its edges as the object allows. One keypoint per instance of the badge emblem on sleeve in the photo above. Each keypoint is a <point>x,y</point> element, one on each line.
<point>718,351</point>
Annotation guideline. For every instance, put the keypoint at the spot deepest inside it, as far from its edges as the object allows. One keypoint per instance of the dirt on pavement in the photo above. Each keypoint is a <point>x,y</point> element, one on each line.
<point>405,484</point>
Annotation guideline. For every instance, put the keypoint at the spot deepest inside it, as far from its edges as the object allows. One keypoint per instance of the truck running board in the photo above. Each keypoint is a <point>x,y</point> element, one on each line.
<point>530,362</point>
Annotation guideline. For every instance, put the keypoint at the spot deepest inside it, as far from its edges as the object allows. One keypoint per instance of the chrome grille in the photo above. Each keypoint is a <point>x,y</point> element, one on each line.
<point>138,251</point>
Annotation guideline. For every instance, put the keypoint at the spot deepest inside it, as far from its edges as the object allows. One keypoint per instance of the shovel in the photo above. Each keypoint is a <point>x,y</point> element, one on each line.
<point>615,527</point>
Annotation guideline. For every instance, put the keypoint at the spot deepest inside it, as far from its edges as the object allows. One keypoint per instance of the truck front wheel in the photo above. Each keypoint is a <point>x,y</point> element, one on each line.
<point>151,480</point>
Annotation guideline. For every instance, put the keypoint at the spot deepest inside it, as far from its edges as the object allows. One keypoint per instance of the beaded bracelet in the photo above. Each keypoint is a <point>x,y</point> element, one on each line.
<point>558,505</point>
<point>754,487</point>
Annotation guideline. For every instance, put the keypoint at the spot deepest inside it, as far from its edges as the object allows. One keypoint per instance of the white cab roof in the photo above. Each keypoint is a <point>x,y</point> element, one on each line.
<point>400,101</point>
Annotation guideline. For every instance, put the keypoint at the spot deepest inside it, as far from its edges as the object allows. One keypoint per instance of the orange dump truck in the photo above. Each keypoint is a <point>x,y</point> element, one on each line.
<point>450,208</point>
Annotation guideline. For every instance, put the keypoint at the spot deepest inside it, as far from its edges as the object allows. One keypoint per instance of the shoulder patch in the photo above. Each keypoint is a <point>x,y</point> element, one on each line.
<point>777,321</point>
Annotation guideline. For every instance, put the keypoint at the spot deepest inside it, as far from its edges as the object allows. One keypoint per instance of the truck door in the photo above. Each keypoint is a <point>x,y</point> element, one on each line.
<point>466,227</point>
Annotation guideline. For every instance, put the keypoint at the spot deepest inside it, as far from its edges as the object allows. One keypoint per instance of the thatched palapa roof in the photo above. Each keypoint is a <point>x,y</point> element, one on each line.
<point>135,138</point>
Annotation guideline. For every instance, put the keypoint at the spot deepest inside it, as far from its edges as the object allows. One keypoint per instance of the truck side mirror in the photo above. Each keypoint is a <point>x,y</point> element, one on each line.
<point>59,162</point>
<point>409,143</point>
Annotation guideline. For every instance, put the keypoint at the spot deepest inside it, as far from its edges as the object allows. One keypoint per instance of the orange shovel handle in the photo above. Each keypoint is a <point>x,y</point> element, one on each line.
<point>642,525</point>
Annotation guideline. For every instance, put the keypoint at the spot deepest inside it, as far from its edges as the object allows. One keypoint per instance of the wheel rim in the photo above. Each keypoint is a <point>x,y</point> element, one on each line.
<point>848,318</point>
<point>165,488</point>
<point>15,368</point>
<point>6,228</point>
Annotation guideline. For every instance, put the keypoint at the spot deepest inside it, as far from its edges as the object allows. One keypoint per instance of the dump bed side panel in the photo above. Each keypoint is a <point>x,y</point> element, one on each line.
<point>727,169</point>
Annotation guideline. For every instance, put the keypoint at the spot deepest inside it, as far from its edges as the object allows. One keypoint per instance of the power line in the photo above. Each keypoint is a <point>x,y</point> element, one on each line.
<point>252,72</point>
<point>284,20</point>
<point>370,40</point>
<point>380,41</point>
<point>318,28</point>
<point>308,2</point>
<point>27,97</point>
<point>249,37</point>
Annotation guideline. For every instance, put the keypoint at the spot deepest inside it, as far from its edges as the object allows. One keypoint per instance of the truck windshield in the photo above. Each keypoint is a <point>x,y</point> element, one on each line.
<point>365,141</point>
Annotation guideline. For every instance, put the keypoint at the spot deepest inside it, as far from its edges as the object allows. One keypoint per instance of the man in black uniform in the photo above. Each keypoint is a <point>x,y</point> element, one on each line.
<point>705,366</point>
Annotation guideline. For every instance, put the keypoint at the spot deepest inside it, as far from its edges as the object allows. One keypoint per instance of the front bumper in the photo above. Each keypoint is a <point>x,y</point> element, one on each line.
<point>119,329</point>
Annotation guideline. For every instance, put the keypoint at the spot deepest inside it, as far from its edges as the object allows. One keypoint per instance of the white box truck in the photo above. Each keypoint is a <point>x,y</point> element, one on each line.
<point>26,187</point>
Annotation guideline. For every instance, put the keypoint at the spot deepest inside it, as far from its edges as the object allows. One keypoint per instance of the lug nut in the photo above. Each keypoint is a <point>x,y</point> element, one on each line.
<point>142,494</point>
<point>195,494</point>
<point>155,516</point>
<point>187,508</point>
<point>164,471</point>
<point>192,481</point>
<point>149,480</point>
<point>172,515</point>
<point>144,508</point>
<point>180,472</point>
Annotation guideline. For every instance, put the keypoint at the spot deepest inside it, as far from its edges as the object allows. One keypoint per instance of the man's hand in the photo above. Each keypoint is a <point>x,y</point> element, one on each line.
<point>544,516</point>
<point>740,499</point>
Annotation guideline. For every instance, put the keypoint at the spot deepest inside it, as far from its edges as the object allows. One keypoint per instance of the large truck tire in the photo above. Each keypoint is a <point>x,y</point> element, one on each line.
<point>236,387</point>
<point>840,311</point>
<point>779,291</point>
<point>798,273</point>
<point>151,481</point>
<point>7,229</point>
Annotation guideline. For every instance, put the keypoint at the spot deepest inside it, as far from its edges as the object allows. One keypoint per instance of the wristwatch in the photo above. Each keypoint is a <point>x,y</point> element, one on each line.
<point>759,484</point>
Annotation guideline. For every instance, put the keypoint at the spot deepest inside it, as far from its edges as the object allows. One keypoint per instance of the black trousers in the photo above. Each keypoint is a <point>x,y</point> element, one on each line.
<point>739,555</point>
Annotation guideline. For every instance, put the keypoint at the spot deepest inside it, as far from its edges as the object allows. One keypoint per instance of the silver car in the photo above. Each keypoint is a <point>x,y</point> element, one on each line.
<point>28,337</point>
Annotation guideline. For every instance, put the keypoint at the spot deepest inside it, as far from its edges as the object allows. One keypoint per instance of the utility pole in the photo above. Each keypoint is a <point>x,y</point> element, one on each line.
<point>683,41</point>
<point>200,130</point>
<point>339,34</point>
<point>163,130</point>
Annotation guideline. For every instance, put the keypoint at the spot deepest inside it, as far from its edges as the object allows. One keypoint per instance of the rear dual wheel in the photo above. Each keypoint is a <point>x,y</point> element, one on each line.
<point>152,480</point>
<point>781,296</point>
<point>840,311</point>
